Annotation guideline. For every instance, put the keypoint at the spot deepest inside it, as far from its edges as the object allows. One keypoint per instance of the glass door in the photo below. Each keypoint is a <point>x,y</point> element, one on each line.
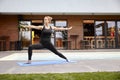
<point>36,33</point>
<point>25,34</point>
<point>110,38</point>
<point>61,40</point>
<point>99,41</point>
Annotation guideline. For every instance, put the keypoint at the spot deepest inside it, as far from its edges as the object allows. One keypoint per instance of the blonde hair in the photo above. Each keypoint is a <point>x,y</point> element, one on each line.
<point>49,18</point>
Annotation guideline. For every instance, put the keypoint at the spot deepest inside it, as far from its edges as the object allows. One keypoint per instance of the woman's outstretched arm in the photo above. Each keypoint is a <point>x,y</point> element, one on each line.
<point>61,29</point>
<point>32,27</point>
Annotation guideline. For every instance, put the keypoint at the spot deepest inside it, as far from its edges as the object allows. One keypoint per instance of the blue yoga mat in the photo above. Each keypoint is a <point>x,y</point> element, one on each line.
<point>43,63</point>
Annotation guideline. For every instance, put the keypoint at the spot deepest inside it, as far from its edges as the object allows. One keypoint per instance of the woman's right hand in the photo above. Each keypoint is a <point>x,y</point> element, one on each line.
<point>25,26</point>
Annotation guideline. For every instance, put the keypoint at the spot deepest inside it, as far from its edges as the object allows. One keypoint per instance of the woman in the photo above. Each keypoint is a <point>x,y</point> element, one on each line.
<point>45,38</point>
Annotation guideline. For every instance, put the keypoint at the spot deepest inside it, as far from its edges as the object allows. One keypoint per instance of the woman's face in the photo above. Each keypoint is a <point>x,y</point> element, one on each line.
<point>46,20</point>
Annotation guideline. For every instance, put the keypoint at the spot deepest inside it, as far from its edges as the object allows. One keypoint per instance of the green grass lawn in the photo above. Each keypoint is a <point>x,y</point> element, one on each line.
<point>64,76</point>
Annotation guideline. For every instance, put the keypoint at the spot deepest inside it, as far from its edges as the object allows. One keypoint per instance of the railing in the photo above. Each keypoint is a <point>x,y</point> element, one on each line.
<point>89,42</point>
<point>15,45</point>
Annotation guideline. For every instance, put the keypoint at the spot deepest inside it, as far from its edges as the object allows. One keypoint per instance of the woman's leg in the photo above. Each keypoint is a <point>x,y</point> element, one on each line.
<point>30,48</point>
<point>53,49</point>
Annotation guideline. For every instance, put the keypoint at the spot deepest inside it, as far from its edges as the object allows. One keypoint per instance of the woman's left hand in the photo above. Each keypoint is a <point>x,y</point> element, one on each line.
<point>69,28</point>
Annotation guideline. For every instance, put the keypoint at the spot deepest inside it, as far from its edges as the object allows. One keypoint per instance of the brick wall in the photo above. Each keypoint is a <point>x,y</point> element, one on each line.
<point>9,23</point>
<point>8,28</point>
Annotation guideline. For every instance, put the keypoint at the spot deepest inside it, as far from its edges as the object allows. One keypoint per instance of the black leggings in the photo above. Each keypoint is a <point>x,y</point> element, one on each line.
<point>47,45</point>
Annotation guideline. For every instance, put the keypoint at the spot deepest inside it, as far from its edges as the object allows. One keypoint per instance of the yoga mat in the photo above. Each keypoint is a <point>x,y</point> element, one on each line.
<point>43,63</point>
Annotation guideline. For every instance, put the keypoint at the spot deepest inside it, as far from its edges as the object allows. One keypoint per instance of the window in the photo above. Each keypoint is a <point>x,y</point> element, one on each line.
<point>88,26</point>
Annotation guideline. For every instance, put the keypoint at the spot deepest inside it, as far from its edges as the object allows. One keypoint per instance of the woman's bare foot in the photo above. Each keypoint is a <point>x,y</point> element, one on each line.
<point>67,60</point>
<point>29,62</point>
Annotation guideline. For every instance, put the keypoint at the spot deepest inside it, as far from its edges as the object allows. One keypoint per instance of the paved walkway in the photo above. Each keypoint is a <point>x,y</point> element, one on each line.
<point>86,61</point>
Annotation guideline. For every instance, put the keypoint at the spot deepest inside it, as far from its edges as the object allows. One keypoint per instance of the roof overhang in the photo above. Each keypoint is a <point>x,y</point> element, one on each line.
<point>54,13</point>
<point>60,7</point>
